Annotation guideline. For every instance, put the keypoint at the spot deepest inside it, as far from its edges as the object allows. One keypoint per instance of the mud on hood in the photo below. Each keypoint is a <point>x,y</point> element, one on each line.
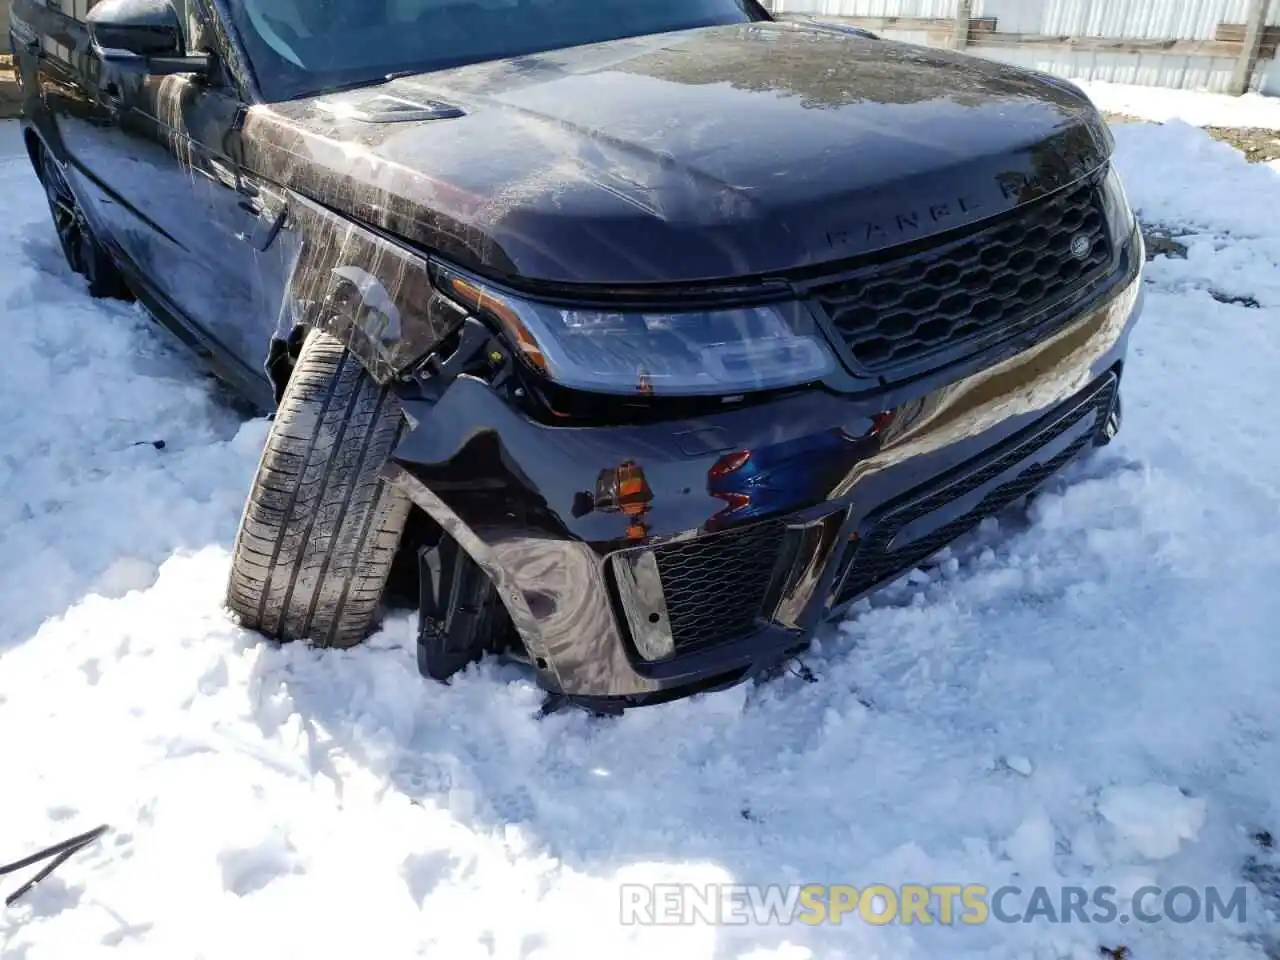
<point>706,154</point>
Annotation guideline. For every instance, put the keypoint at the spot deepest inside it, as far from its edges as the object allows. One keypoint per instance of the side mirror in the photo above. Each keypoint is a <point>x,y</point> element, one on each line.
<point>144,35</point>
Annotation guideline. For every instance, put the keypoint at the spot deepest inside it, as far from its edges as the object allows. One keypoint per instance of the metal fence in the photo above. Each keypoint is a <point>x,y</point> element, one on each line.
<point>1227,46</point>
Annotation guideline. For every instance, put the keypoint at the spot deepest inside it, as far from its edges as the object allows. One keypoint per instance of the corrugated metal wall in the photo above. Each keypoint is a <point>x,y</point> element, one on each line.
<point>1117,19</point>
<point>1147,19</point>
<point>1147,69</point>
<point>1136,19</point>
<point>881,8</point>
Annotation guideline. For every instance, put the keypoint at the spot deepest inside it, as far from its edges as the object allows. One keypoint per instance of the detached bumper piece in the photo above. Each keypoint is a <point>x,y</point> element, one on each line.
<point>606,625</point>
<point>688,597</point>
<point>902,535</point>
<point>694,594</point>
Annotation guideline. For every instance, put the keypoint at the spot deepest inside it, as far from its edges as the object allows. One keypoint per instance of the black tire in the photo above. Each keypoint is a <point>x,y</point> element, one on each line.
<point>320,528</point>
<point>84,253</point>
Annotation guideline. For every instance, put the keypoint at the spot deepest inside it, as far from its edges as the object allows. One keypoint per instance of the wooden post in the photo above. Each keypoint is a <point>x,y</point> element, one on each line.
<point>1249,49</point>
<point>960,32</point>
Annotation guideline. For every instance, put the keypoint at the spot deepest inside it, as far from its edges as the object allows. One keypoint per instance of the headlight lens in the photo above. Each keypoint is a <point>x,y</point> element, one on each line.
<point>1118,210</point>
<point>701,352</point>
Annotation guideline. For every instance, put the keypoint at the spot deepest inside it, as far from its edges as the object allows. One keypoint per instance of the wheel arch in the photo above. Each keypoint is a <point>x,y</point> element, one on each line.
<point>362,288</point>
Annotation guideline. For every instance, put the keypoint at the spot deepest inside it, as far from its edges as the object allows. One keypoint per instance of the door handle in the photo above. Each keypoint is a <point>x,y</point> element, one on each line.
<point>222,173</point>
<point>230,176</point>
<point>270,210</point>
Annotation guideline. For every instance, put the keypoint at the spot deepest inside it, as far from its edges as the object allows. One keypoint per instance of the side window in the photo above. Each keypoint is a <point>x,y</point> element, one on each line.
<point>60,42</point>
<point>201,37</point>
<point>193,22</point>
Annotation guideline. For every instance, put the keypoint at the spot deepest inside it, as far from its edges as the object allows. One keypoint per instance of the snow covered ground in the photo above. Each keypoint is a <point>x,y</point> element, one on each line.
<point>1088,695</point>
<point>1199,109</point>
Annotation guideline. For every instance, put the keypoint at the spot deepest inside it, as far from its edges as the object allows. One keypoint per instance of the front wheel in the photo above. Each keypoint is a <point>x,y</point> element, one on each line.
<point>321,527</point>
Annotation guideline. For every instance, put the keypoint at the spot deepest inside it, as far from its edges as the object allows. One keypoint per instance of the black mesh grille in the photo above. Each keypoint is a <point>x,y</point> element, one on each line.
<point>873,563</point>
<point>984,285</point>
<point>715,586</point>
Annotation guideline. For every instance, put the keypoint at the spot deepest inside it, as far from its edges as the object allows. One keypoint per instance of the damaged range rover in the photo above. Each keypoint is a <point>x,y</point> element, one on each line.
<point>629,339</point>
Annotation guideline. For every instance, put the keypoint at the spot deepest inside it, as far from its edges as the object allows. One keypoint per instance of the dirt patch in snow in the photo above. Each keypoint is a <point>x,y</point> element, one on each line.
<point>1121,118</point>
<point>1160,242</point>
<point>1258,145</point>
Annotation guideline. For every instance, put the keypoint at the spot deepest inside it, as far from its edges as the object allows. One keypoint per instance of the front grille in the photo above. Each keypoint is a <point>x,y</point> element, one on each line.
<point>874,563</point>
<point>715,586</point>
<point>988,283</point>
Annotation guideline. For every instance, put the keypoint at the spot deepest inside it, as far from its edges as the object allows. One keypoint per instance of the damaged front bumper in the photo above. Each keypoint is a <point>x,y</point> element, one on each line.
<point>646,561</point>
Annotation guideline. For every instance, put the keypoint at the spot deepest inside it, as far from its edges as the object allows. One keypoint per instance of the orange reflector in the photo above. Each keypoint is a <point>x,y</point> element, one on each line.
<point>729,463</point>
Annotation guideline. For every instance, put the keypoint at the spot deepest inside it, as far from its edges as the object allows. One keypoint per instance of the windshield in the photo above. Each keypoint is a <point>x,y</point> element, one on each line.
<point>301,47</point>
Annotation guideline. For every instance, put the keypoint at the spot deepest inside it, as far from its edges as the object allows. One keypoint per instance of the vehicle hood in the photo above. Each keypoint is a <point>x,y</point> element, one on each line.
<point>724,152</point>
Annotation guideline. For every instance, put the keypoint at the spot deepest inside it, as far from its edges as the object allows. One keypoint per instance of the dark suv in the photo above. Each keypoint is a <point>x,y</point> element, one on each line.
<point>629,339</point>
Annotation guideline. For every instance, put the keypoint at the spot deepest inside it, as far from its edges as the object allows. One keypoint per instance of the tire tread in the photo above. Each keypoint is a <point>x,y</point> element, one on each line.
<point>320,527</point>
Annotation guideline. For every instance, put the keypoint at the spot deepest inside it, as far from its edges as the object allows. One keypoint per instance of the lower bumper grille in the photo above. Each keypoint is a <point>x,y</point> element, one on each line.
<point>715,586</point>
<point>874,561</point>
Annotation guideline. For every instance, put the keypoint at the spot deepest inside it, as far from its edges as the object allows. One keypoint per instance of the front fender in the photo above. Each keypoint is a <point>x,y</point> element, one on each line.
<point>365,290</point>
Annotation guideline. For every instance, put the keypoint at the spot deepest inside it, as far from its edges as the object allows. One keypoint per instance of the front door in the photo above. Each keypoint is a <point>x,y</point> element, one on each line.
<point>148,155</point>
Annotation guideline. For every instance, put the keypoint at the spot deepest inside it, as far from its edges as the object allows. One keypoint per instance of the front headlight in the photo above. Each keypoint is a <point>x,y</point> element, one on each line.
<point>713,351</point>
<point>1119,213</point>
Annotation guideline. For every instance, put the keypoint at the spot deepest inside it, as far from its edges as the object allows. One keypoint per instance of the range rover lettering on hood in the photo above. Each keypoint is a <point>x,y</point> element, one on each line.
<point>914,222</point>
<point>876,228</point>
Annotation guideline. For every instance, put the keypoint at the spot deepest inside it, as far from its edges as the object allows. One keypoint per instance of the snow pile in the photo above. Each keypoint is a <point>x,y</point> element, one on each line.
<point>1154,818</point>
<point>1160,104</point>
<point>1082,694</point>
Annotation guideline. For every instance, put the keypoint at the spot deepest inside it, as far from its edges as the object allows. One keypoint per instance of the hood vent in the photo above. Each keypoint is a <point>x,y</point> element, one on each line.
<point>388,108</point>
